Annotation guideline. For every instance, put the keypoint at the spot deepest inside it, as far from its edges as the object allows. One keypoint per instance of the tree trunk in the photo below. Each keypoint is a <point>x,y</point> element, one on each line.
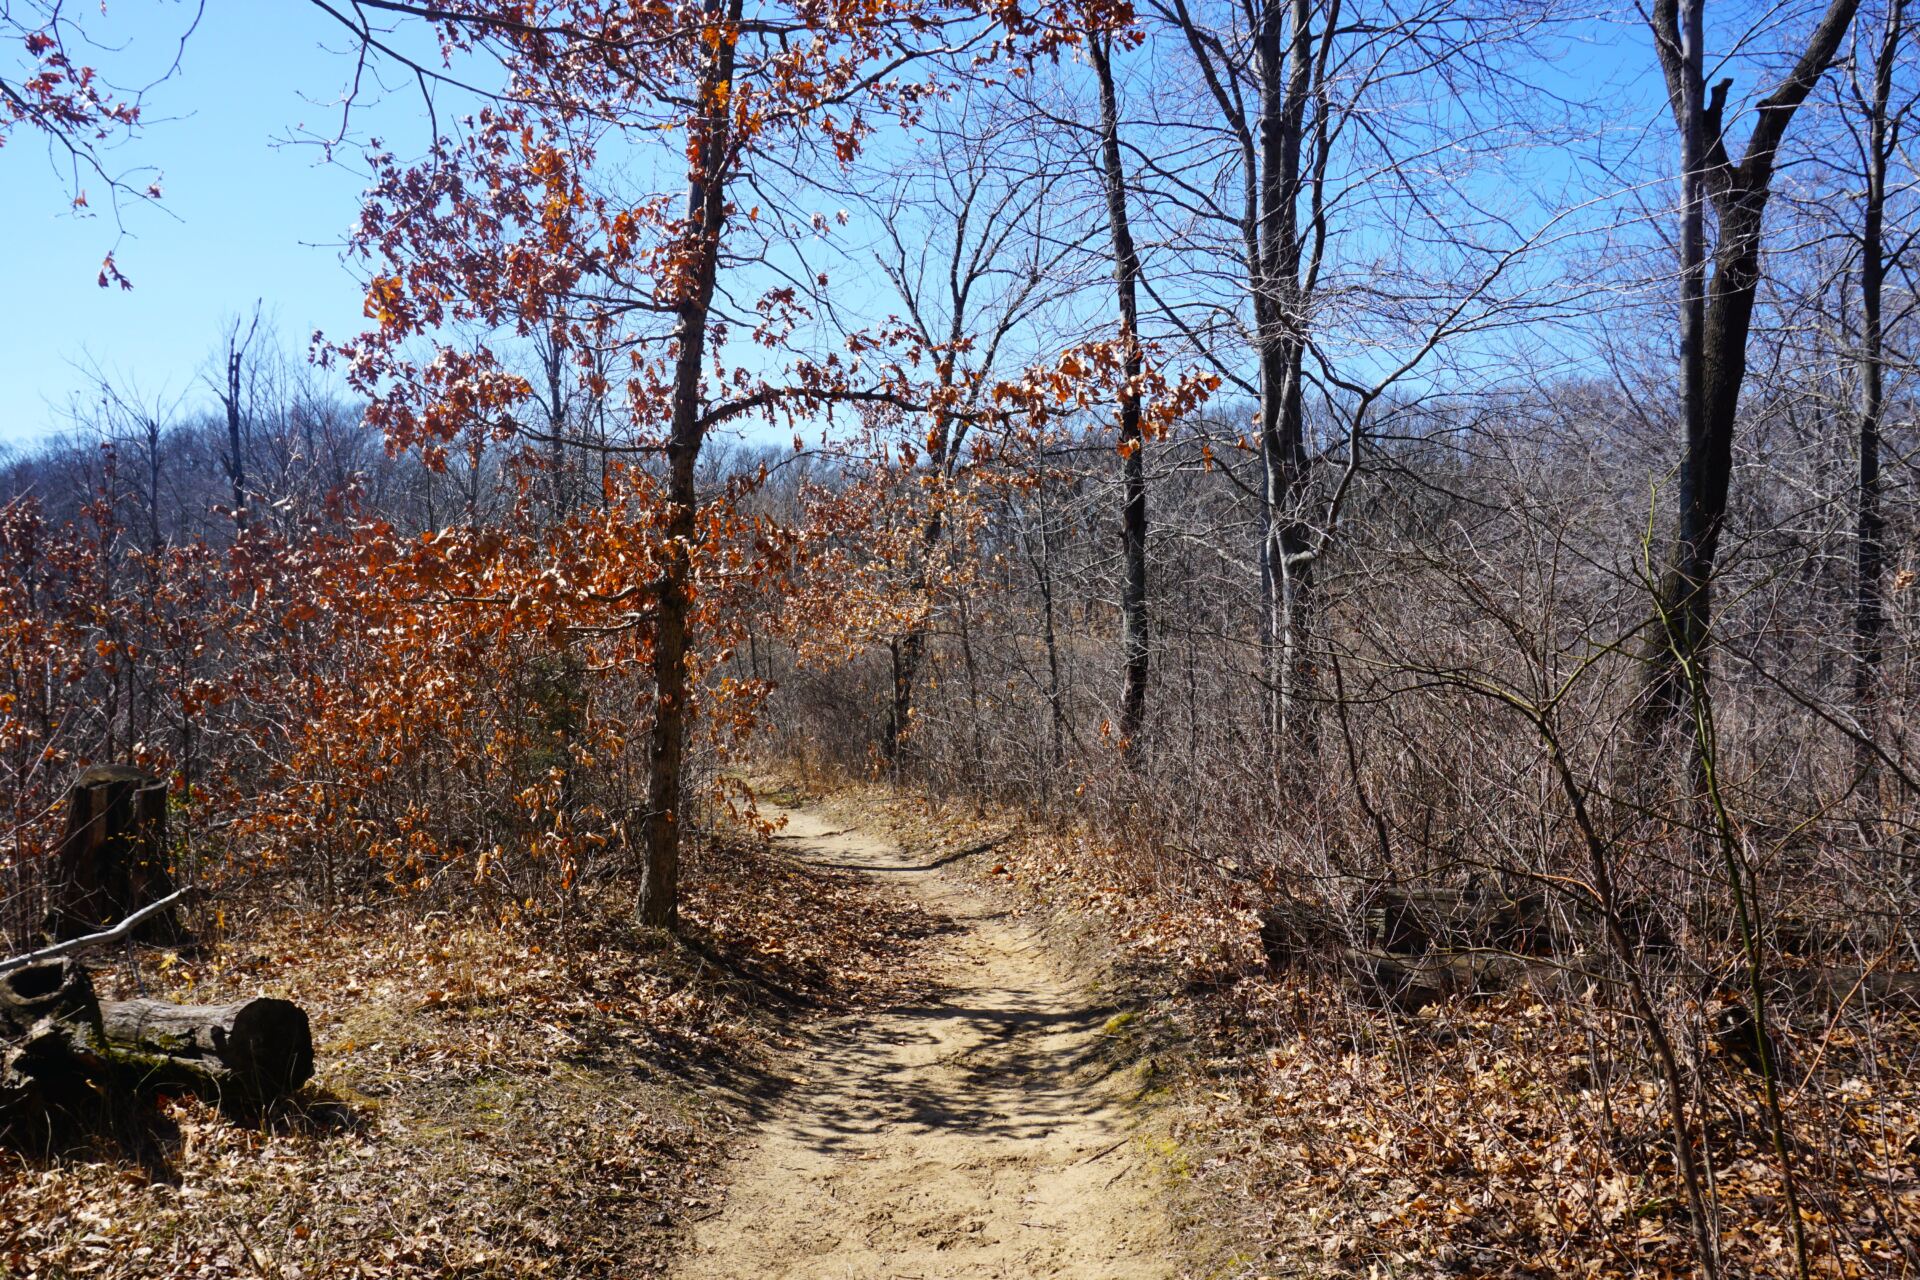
<point>1713,375</point>
<point>1869,610</point>
<point>1682,596</point>
<point>706,214</point>
<point>908,651</point>
<point>1284,49</point>
<point>1043,579</point>
<point>113,858</point>
<point>1134,622</point>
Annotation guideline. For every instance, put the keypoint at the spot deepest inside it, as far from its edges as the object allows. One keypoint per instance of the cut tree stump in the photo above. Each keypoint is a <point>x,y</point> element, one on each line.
<point>113,858</point>
<point>253,1050</point>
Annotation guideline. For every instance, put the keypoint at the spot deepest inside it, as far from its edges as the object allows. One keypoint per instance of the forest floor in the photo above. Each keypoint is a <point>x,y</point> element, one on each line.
<point>861,1057</point>
<point>983,1130</point>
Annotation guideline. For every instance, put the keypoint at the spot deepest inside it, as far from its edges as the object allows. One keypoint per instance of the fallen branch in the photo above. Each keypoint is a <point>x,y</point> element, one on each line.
<point>114,934</point>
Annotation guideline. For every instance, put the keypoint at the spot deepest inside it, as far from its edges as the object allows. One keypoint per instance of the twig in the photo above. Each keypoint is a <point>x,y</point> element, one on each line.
<point>1104,1151</point>
<point>113,934</point>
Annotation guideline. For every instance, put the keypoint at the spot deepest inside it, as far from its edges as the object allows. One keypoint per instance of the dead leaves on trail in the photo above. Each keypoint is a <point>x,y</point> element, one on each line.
<point>496,1097</point>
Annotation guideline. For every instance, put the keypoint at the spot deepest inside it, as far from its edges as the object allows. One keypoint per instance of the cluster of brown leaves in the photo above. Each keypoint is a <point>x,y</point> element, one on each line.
<point>1504,1137</point>
<point>497,1095</point>
<point>348,701</point>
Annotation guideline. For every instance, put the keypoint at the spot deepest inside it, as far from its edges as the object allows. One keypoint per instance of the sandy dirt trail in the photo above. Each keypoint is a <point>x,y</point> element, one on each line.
<point>970,1135</point>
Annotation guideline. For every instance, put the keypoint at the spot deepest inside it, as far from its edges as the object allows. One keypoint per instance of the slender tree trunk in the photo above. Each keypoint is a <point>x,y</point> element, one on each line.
<point>236,456</point>
<point>908,651</point>
<point>706,214</point>
<point>1684,602</point>
<point>973,680</point>
<point>1285,53</point>
<point>1134,622</point>
<point>1869,611</point>
<point>1043,578</point>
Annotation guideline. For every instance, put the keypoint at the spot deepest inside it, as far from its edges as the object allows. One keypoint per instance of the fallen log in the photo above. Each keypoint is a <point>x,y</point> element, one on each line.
<point>69,1060</point>
<point>1843,984</point>
<point>49,1047</point>
<point>1411,983</point>
<point>253,1050</point>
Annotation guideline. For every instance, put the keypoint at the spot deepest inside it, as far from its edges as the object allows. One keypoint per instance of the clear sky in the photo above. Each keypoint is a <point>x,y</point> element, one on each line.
<point>249,215</point>
<point>243,218</point>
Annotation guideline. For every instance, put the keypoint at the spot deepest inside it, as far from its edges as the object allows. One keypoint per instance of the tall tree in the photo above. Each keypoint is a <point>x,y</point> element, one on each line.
<point>1312,153</point>
<point>1134,622</point>
<point>974,241</point>
<point>1883,121</point>
<point>1716,316</point>
<point>516,223</point>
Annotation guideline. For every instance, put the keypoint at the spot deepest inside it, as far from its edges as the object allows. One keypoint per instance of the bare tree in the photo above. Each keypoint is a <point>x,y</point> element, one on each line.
<point>976,248</point>
<point>1716,315</point>
<point>1135,642</point>
<point>1884,120</point>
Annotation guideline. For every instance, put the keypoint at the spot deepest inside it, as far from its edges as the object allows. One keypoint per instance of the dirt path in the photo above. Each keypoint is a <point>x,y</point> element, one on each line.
<point>971,1135</point>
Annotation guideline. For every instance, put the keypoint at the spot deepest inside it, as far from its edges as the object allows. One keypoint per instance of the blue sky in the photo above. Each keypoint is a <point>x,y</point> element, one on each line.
<point>248,216</point>
<point>242,219</point>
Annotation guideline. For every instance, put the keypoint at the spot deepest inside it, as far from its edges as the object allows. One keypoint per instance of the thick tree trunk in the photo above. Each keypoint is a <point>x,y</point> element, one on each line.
<point>113,858</point>
<point>1715,368</point>
<point>1682,598</point>
<point>1706,471</point>
<point>1134,622</point>
<point>706,215</point>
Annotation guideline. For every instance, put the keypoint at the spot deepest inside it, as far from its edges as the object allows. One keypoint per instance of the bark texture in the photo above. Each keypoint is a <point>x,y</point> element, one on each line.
<point>252,1049</point>
<point>706,216</point>
<point>112,859</point>
<point>1134,620</point>
<point>69,1060</point>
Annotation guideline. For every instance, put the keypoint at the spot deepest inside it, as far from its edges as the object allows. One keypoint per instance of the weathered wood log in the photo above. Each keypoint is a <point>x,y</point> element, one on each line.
<point>1410,984</point>
<point>112,859</point>
<point>49,1039</point>
<point>1415,920</point>
<point>67,1058</point>
<point>1292,930</point>
<point>251,1050</point>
